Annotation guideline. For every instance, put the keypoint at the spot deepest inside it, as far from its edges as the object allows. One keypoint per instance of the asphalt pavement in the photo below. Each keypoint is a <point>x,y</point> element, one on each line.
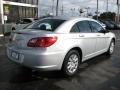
<point>99,73</point>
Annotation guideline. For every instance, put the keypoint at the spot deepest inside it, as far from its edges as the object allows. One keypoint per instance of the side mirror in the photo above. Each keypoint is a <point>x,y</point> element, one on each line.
<point>104,31</point>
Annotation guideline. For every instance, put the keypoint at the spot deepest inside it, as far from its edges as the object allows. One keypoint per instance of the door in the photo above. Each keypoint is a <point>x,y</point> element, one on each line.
<point>101,43</point>
<point>87,40</point>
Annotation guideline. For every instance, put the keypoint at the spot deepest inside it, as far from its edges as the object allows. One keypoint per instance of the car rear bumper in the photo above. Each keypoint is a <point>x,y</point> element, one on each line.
<point>37,60</point>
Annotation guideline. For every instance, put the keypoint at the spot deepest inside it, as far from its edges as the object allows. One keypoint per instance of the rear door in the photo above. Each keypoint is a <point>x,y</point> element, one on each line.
<point>101,37</point>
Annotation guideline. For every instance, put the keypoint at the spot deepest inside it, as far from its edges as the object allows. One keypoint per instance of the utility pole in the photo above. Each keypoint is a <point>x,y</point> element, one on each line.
<point>53,7</point>
<point>107,6</point>
<point>97,10</point>
<point>118,5</point>
<point>62,10</point>
<point>57,5</point>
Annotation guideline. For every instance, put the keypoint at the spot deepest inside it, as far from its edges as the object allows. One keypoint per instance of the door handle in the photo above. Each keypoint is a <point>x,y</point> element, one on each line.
<point>81,36</point>
<point>98,35</point>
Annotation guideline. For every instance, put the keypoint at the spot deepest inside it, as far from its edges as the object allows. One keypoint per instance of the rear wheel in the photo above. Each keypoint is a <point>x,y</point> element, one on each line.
<point>71,63</point>
<point>111,48</point>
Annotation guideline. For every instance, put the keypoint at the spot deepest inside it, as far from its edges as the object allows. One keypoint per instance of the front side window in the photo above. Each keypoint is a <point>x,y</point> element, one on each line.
<point>46,24</point>
<point>96,27</point>
<point>84,26</point>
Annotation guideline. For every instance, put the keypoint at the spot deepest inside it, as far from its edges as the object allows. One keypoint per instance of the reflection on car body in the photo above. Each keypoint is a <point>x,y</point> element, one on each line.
<point>61,44</point>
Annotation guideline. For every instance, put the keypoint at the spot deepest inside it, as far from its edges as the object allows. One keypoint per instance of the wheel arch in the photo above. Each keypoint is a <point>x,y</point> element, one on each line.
<point>113,40</point>
<point>63,68</point>
<point>79,51</point>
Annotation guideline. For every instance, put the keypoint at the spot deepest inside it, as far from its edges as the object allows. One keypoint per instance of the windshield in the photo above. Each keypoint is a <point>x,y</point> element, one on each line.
<point>46,24</point>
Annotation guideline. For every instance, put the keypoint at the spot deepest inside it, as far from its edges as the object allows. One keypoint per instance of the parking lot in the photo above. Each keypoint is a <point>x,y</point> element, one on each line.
<point>99,73</point>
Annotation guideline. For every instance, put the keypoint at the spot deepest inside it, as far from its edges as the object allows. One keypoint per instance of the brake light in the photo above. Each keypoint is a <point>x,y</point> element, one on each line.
<point>42,42</point>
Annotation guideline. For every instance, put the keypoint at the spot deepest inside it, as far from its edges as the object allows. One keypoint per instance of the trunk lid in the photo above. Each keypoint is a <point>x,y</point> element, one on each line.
<point>19,39</point>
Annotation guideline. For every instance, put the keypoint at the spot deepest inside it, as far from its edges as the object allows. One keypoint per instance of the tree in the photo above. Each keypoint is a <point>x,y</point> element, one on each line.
<point>106,16</point>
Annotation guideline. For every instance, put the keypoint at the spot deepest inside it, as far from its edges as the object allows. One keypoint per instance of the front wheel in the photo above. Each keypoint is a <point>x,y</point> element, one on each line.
<point>71,63</point>
<point>111,48</point>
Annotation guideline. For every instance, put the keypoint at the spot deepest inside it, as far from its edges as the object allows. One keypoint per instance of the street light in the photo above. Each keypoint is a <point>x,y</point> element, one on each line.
<point>57,7</point>
<point>53,7</point>
<point>107,6</point>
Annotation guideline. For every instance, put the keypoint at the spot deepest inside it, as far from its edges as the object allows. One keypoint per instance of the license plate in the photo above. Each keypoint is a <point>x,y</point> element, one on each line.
<point>15,55</point>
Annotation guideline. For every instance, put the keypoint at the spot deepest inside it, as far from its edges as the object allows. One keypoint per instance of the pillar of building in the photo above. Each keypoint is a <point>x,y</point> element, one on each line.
<point>1,12</point>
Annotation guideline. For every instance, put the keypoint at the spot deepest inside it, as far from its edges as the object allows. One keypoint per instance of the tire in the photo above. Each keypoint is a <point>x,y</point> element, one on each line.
<point>111,48</point>
<point>71,63</point>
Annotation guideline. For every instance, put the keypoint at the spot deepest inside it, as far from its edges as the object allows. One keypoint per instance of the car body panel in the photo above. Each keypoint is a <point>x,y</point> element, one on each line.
<point>52,58</point>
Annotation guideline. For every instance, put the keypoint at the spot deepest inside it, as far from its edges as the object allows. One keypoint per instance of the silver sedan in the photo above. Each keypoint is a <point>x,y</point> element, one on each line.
<point>60,44</point>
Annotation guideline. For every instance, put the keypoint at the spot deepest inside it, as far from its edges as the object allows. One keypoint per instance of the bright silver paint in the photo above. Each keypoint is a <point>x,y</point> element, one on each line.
<point>51,58</point>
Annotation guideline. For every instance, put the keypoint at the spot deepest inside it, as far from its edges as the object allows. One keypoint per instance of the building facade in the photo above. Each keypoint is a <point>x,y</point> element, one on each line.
<point>18,9</point>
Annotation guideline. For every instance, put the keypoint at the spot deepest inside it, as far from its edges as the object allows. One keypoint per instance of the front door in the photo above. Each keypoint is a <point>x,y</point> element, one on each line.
<point>88,38</point>
<point>101,43</point>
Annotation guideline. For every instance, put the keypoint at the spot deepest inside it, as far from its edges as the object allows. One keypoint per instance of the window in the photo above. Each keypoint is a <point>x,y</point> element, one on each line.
<point>75,29</point>
<point>84,26</point>
<point>46,24</point>
<point>26,21</point>
<point>96,27</point>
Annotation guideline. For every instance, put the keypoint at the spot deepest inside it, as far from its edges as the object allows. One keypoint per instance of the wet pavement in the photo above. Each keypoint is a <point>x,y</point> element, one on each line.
<point>99,73</point>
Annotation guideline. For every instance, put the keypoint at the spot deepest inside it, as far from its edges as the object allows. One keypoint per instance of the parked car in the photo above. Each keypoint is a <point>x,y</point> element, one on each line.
<point>102,23</point>
<point>60,44</point>
<point>116,25</point>
<point>109,25</point>
<point>22,23</point>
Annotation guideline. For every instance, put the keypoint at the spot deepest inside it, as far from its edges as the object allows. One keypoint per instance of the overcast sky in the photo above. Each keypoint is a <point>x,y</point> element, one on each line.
<point>45,6</point>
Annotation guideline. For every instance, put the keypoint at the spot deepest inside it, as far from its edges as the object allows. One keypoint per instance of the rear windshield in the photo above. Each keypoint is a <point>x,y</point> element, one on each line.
<point>46,24</point>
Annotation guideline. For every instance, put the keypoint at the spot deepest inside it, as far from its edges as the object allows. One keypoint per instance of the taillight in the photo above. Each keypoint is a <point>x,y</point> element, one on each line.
<point>42,41</point>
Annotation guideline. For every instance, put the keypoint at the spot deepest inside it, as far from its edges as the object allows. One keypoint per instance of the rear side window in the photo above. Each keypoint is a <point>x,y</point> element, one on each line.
<point>95,26</point>
<point>75,29</point>
<point>84,26</point>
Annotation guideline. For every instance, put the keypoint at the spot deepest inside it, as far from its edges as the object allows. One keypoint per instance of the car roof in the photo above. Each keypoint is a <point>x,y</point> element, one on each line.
<point>59,17</point>
<point>68,18</point>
